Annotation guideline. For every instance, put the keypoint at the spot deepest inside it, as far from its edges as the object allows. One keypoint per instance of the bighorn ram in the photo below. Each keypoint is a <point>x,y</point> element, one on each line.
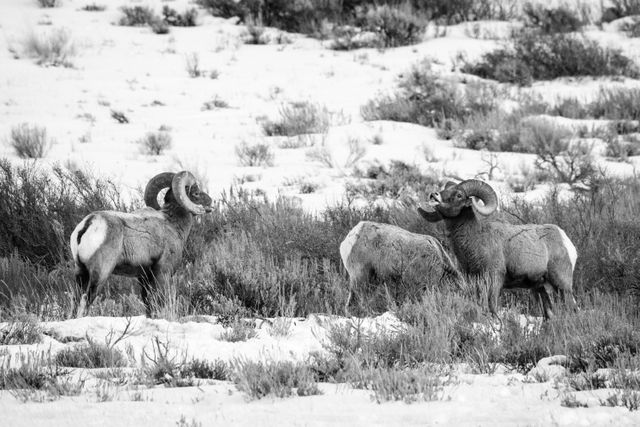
<point>145,244</point>
<point>388,253</point>
<point>532,256</point>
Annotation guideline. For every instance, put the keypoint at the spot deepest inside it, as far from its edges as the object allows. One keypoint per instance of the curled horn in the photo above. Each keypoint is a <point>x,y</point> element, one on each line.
<point>156,184</point>
<point>180,181</point>
<point>483,191</point>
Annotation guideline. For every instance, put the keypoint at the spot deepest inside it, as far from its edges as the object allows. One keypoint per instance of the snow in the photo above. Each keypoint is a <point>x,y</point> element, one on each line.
<point>143,75</point>
<point>504,398</point>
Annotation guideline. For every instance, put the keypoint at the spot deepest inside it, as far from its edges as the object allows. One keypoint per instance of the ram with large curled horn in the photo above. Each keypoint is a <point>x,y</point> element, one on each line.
<point>539,257</point>
<point>146,244</point>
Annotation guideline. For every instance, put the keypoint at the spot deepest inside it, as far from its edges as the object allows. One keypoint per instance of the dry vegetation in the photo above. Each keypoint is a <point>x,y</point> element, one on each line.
<point>259,257</point>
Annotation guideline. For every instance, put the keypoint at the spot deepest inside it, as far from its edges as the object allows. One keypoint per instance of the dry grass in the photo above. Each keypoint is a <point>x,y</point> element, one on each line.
<point>54,48</point>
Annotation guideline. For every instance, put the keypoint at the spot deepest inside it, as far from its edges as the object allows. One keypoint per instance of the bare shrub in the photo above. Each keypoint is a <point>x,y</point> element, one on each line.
<point>54,48</point>
<point>30,141</point>
<point>176,19</point>
<point>192,64</point>
<point>163,365</point>
<point>549,19</point>
<point>534,56</point>
<point>568,161</point>
<point>272,378</point>
<point>429,99</point>
<point>91,355</point>
<point>136,16</point>
<point>620,8</point>
<point>631,28</point>
<point>297,119</point>
<point>155,143</point>
<point>397,26</point>
<point>158,26</point>
<point>616,103</point>
<point>49,3</point>
<point>256,154</point>
<point>21,329</point>
<point>38,379</point>
<point>215,102</point>
<point>94,7</point>
<point>255,32</point>
<point>239,330</point>
<point>622,147</point>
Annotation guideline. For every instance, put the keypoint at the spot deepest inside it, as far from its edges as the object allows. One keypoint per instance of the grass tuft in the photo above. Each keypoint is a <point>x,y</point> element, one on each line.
<point>30,141</point>
<point>272,378</point>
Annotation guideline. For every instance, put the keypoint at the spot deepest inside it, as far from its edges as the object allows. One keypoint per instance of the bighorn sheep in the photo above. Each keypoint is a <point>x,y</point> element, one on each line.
<point>145,244</point>
<point>532,256</point>
<point>385,252</point>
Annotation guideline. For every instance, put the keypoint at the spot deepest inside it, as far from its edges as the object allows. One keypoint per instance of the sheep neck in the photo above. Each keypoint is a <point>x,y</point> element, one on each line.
<point>181,219</point>
<point>459,229</point>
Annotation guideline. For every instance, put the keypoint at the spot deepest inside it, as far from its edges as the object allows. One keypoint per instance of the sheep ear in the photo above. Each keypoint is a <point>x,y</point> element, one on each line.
<point>431,216</point>
<point>449,184</point>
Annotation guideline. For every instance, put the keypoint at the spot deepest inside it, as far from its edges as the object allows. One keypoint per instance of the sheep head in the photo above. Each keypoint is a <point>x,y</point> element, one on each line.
<point>183,190</point>
<point>455,199</point>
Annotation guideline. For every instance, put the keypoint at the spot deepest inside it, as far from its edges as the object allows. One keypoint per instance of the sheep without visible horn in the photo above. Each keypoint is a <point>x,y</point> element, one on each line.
<point>406,262</point>
<point>531,256</point>
<point>146,244</point>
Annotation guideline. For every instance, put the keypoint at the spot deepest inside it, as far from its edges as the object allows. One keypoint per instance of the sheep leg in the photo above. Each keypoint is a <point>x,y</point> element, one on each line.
<point>147,280</point>
<point>90,281</point>
<point>79,299</point>
<point>545,299</point>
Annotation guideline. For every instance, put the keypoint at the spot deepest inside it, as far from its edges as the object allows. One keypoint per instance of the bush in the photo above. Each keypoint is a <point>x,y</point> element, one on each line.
<point>54,48</point>
<point>30,141</point>
<point>135,16</point>
<point>192,64</point>
<point>159,26</point>
<point>398,181</point>
<point>175,19</point>
<point>239,330</point>
<point>568,161</point>
<point>20,330</point>
<point>425,383</point>
<point>277,379</point>
<point>94,7</point>
<point>37,379</point>
<point>549,20</point>
<point>227,8</point>
<point>619,147</point>
<point>395,26</point>
<point>534,56</point>
<point>197,368</point>
<point>40,210</point>
<point>155,143</point>
<point>258,154</point>
<point>163,366</point>
<point>90,356</point>
<point>632,28</point>
<point>297,119</point>
<point>616,103</point>
<point>429,100</point>
<point>493,131</point>
<point>215,102</point>
<point>620,9</point>
<point>49,3</point>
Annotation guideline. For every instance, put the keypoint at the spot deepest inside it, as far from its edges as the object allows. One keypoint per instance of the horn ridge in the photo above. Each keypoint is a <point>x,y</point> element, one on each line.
<point>154,186</point>
<point>483,191</point>
<point>180,181</point>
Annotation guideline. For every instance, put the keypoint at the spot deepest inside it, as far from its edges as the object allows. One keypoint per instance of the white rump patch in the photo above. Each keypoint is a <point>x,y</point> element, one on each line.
<point>347,244</point>
<point>91,240</point>
<point>571,250</point>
